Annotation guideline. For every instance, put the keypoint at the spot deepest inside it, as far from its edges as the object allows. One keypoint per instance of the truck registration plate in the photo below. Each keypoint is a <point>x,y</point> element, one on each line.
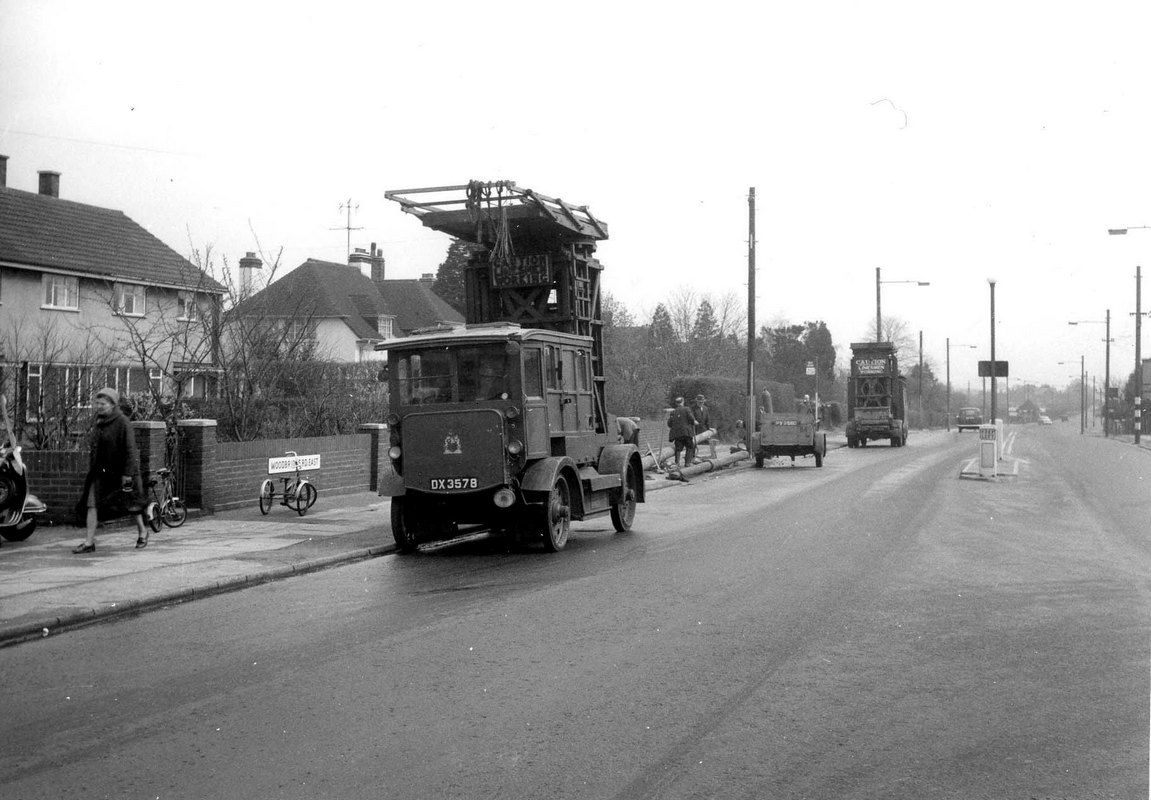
<point>448,484</point>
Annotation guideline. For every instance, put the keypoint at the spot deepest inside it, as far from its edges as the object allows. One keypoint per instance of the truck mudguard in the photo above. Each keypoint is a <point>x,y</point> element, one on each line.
<point>615,458</point>
<point>541,476</point>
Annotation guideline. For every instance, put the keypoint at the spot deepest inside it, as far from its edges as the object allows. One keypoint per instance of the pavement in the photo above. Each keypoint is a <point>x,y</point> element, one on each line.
<point>45,588</point>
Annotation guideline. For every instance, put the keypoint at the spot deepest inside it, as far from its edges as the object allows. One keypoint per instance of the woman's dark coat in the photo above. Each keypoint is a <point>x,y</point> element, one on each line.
<point>112,454</point>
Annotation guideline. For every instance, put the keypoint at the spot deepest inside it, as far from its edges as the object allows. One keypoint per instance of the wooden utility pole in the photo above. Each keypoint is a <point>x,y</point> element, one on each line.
<point>749,425</point>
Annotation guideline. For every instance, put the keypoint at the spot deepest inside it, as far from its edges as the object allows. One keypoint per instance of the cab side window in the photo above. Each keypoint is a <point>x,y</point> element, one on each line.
<point>533,378</point>
<point>553,368</point>
<point>581,371</point>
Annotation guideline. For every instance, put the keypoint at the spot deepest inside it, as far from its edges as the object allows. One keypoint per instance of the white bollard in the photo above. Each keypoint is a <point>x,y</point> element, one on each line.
<point>988,450</point>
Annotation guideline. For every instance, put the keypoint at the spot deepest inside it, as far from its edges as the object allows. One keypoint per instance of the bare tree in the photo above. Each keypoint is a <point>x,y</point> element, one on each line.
<point>52,378</point>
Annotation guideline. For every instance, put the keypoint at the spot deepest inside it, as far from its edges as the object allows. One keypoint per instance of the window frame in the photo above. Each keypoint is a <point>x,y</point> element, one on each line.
<point>185,303</point>
<point>49,291</point>
<point>120,294</point>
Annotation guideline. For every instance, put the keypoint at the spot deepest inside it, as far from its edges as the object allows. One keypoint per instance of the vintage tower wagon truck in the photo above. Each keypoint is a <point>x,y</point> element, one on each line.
<point>876,395</point>
<point>501,422</point>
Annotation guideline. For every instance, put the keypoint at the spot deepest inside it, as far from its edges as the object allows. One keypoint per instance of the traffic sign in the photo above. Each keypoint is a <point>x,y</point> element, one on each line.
<point>985,369</point>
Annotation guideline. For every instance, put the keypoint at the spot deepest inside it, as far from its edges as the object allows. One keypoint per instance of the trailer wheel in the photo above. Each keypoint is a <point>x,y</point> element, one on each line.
<point>623,512</point>
<point>556,516</point>
<point>407,538</point>
<point>818,459</point>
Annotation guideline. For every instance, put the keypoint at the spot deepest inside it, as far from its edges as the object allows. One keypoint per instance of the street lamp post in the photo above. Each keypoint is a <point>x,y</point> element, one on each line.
<point>878,314</point>
<point>949,346</point>
<point>994,416</point>
<point>1106,368</point>
<point>1082,393</point>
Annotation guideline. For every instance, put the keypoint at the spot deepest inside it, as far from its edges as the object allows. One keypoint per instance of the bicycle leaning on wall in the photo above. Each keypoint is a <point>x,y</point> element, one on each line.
<point>165,508</point>
<point>298,493</point>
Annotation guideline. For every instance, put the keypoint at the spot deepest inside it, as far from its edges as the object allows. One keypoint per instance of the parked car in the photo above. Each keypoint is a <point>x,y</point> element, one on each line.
<point>969,418</point>
<point>1044,420</point>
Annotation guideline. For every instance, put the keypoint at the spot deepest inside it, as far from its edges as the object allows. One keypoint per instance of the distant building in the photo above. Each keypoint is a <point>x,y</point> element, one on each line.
<point>347,309</point>
<point>89,298</point>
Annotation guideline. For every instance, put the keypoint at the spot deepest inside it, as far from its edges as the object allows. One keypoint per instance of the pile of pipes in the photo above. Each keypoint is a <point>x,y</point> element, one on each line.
<point>658,462</point>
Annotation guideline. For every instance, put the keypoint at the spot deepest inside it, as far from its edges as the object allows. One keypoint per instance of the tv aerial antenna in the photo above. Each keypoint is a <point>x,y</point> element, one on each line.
<point>348,208</point>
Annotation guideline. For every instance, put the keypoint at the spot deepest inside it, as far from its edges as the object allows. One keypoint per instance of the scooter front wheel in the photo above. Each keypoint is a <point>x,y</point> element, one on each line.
<point>20,531</point>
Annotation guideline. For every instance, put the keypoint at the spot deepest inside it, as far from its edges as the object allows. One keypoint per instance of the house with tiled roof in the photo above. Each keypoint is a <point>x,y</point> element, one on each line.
<point>89,298</point>
<point>348,308</point>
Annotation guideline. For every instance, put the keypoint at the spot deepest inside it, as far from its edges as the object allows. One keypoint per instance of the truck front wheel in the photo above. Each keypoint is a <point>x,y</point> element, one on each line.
<point>759,460</point>
<point>406,537</point>
<point>623,512</point>
<point>556,516</point>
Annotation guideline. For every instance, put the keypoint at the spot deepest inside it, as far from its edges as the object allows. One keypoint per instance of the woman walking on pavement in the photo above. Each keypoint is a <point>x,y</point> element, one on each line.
<point>113,479</point>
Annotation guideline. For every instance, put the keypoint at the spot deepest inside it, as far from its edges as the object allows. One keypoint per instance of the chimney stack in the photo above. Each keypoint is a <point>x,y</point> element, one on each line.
<point>360,259</point>
<point>3,171</point>
<point>377,264</point>
<point>247,264</point>
<point>49,183</point>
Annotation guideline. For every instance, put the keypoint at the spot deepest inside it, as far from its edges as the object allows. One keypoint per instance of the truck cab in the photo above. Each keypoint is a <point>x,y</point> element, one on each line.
<point>494,425</point>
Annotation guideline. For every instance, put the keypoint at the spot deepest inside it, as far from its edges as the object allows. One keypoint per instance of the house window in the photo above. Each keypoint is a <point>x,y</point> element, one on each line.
<point>61,291</point>
<point>121,380</point>
<point>189,311</point>
<point>384,326</point>
<point>130,299</point>
<point>195,386</point>
<point>80,381</point>
<point>297,332</point>
<point>156,379</point>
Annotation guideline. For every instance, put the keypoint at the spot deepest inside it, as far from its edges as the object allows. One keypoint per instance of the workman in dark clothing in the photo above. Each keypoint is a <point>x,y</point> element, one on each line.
<point>682,431</point>
<point>628,429</point>
<point>699,410</point>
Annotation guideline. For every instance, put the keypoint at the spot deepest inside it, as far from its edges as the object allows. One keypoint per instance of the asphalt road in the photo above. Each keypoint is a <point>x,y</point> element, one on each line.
<point>874,628</point>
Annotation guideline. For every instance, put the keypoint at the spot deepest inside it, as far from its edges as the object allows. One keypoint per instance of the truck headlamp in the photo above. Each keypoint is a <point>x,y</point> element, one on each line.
<point>394,453</point>
<point>515,447</point>
<point>393,420</point>
<point>511,412</point>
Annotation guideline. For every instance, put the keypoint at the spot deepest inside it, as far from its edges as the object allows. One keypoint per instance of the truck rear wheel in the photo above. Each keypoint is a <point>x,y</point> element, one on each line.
<point>818,459</point>
<point>556,516</point>
<point>759,460</point>
<point>406,537</point>
<point>623,512</point>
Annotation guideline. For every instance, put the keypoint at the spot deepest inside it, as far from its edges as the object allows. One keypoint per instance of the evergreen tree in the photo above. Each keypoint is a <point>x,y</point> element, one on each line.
<point>705,329</point>
<point>449,283</point>
<point>661,332</point>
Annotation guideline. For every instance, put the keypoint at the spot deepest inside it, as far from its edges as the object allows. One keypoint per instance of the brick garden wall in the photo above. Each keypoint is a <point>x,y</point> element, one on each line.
<point>57,478</point>
<point>217,476</point>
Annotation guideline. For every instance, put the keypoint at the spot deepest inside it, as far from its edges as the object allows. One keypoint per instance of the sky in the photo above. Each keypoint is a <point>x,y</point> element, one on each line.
<point>950,143</point>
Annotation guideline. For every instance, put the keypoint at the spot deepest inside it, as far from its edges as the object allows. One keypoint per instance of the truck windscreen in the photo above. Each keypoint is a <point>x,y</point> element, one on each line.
<point>455,375</point>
